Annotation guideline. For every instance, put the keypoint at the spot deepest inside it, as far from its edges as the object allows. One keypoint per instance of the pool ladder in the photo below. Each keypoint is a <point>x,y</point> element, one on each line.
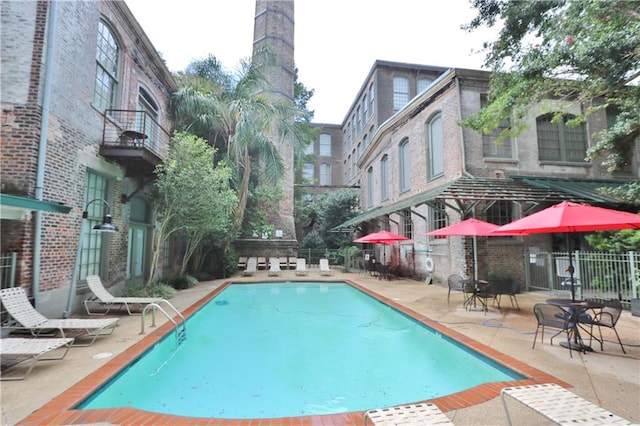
<point>179,329</point>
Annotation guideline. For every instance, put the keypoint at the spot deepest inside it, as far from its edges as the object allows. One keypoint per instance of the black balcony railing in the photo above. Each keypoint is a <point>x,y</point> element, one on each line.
<point>134,138</point>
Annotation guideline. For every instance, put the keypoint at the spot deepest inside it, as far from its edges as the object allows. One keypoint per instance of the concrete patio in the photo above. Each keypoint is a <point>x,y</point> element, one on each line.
<point>607,378</point>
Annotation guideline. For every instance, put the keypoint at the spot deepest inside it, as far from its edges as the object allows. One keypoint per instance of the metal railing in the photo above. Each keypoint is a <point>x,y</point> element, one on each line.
<point>135,129</point>
<point>597,274</point>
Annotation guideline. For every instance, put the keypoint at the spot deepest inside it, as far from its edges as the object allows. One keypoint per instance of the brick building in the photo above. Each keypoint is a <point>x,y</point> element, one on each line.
<point>419,170</point>
<point>84,122</point>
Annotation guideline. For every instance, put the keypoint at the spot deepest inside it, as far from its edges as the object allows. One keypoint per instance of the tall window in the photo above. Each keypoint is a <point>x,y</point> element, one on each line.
<point>489,147</point>
<point>372,105</point>
<point>325,174</point>
<point>559,142</point>
<point>353,127</point>
<point>104,91</point>
<point>405,166</point>
<point>435,147</point>
<point>92,245</point>
<point>384,178</point>
<point>423,84</point>
<point>500,212</point>
<point>145,119</point>
<point>359,117</point>
<point>308,150</point>
<point>325,145</point>
<point>307,172</point>
<point>400,92</point>
<point>370,186</point>
<point>365,108</point>
<point>438,216</point>
<point>407,223</point>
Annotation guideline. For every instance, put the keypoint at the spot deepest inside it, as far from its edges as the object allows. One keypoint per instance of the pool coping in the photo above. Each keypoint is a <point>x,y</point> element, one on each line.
<point>60,409</point>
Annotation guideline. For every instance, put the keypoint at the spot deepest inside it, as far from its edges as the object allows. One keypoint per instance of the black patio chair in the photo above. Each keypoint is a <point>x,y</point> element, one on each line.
<point>509,289</point>
<point>552,316</point>
<point>486,293</point>
<point>607,317</point>
<point>455,284</point>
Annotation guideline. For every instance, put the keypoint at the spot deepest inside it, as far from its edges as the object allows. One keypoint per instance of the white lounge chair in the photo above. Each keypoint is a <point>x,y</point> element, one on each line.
<point>18,306</point>
<point>33,350</point>
<point>560,405</point>
<point>301,266</point>
<point>242,262</point>
<point>252,266</point>
<point>103,298</point>
<point>274,266</point>
<point>262,263</point>
<point>284,263</point>
<point>414,414</point>
<point>324,267</point>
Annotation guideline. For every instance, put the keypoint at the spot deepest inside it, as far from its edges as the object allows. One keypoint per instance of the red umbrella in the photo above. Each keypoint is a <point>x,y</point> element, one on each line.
<point>469,228</point>
<point>382,237</point>
<point>571,217</point>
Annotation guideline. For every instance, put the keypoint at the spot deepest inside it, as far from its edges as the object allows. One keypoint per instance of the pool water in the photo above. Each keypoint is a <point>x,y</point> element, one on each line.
<point>295,349</point>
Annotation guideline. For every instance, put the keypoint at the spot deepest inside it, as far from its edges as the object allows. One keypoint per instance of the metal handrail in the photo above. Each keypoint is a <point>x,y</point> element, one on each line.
<point>155,306</point>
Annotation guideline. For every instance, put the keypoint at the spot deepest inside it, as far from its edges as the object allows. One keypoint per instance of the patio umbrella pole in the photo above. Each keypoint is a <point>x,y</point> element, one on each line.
<point>570,268</point>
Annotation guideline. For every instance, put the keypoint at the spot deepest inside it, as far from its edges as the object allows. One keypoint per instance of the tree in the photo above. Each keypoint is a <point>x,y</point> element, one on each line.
<point>330,210</point>
<point>584,50</point>
<point>192,195</point>
<point>235,115</point>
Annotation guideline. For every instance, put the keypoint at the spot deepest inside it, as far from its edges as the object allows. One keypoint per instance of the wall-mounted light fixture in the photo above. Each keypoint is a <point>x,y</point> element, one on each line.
<point>105,226</point>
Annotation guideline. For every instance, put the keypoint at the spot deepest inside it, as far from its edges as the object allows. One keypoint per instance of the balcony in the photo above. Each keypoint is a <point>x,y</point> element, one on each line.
<point>134,140</point>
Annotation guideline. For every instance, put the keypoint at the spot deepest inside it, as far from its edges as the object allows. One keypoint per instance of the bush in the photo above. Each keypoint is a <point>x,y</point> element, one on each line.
<point>230,262</point>
<point>181,282</point>
<point>158,289</point>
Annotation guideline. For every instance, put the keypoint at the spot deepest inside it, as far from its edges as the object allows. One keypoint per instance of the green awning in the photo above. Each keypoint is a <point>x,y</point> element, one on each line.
<point>15,206</point>
<point>586,190</point>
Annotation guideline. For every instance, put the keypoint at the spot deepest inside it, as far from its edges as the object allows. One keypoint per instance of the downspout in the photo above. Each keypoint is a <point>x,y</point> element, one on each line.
<point>42,146</point>
<point>465,173</point>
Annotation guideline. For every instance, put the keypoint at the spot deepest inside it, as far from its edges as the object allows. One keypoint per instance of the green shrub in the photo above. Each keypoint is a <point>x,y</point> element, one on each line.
<point>230,262</point>
<point>180,282</point>
<point>158,289</point>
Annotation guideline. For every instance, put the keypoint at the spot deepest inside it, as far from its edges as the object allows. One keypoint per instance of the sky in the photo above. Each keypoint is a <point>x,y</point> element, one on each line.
<point>336,41</point>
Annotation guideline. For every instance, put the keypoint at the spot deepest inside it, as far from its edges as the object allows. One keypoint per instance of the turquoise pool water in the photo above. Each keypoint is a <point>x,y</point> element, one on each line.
<point>295,349</point>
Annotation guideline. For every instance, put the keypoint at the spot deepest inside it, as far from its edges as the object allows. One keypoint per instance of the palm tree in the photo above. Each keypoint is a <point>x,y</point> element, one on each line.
<point>236,116</point>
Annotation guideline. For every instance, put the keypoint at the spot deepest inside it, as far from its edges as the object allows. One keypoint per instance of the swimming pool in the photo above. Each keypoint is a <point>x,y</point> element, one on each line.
<point>296,349</point>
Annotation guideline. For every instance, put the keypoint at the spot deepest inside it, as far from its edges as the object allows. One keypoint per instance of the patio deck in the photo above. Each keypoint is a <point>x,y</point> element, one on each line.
<point>609,379</point>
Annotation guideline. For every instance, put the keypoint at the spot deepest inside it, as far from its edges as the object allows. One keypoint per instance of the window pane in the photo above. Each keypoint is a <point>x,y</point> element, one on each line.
<point>548,139</point>
<point>325,174</point>
<point>370,186</point>
<point>500,213</point>
<point>436,147</point>
<point>384,178</point>
<point>325,145</point>
<point>489,147</point>
<point>405,166</point>
<point>91,251</point>
<point>423,84</point>
<point>400,92</point>
<point>106,69</point>
<point>307,171</point>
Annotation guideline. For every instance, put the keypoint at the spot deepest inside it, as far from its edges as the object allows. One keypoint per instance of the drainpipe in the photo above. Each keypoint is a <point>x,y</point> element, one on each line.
<point>42,146</point>
<point>465,173</point>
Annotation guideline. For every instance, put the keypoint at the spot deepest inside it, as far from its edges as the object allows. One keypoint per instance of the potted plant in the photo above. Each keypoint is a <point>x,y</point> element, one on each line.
<point>502,279</point>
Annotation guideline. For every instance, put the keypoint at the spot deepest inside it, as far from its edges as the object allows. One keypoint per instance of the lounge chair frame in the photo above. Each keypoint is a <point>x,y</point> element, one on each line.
<point>28,318</point>
<point>559,405</point>
<point>301,266</point>
<point>103,298</point>
<point>324,267</point>
<point>414,414</point>
<point>252,267</point>
<point>34,350</point>
<point>274,266</point>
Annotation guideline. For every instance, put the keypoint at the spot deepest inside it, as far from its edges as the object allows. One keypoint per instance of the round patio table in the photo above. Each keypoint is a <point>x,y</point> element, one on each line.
<point>575,308</point>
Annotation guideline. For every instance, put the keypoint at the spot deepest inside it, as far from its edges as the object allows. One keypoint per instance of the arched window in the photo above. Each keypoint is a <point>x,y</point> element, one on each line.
<point>423,84</point>
<point>149,112</point>
<point>435,147</point>
<point>559,142</point>
<point>372,93</point>
<point>384,178</point>
<point>325,145</point>
<point>107,56</point>
<point>404,165</point>
<point>325,174</point>
<point>370,186</point>
<point>400,92</point>
<point>307,172</point>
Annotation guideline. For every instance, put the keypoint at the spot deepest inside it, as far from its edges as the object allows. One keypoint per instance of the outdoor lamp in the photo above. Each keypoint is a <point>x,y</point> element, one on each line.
<point>105,226</point>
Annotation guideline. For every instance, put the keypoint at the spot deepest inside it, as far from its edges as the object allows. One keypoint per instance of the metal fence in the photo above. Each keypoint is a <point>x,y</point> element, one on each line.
<point>597,274</point>
<point>336,257</point>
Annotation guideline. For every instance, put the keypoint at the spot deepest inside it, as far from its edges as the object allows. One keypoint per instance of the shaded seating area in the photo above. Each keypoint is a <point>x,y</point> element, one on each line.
<point>606,317</point>
<point>252,267</point>
<point>31,350</point>
<point>17,304</point>
<point>104,299</point>
<point>414,414</point>
<point>552,316</point>
<point>274,266</point>
<point>559,405</point>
